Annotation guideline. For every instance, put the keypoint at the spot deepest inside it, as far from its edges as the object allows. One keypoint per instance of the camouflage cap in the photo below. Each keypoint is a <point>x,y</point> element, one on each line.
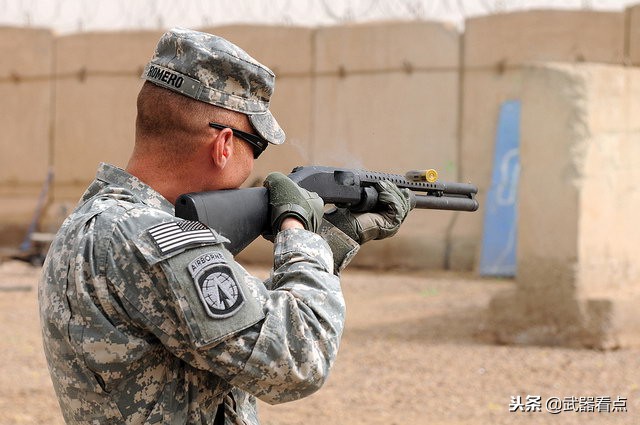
<point>213,70</point>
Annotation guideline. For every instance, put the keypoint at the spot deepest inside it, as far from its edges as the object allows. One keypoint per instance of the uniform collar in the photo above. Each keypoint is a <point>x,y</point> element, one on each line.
<point>117,179</point>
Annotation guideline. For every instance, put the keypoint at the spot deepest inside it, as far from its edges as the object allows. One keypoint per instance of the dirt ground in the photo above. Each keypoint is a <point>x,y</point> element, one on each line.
<point>415,351</point>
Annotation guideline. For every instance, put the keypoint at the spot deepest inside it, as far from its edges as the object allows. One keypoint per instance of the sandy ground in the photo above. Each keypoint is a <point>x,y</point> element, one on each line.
<point>415,351</point>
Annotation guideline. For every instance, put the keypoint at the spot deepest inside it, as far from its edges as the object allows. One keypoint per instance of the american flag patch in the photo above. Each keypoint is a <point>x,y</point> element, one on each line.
<point>174,235</point>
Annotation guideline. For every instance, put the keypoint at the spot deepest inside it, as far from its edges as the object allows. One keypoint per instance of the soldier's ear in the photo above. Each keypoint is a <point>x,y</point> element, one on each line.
<point>221,147</point>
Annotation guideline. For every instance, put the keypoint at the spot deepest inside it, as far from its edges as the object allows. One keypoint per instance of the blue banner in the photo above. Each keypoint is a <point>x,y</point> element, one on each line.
<point>500,232</point>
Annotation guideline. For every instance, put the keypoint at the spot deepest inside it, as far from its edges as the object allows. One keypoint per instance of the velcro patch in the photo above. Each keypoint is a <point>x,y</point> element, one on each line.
<point>173,235</point>
<point>216,285</point>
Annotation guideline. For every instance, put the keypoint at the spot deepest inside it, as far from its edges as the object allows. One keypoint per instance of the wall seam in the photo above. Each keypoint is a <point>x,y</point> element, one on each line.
<point>626,53</point>
<point>313,98</point>
<point>448,248</point>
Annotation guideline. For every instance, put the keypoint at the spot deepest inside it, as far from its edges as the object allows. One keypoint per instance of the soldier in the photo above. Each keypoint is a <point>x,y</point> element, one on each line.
<point>146,317</point>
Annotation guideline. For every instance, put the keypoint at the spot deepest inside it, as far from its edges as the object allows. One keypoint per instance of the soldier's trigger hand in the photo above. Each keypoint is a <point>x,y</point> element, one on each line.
<point>287,199</point>
<point>393,207</point>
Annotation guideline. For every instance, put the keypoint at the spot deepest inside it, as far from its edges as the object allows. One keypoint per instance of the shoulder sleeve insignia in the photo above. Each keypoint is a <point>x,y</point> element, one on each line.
<point>176,235</point>
<point>216,285</point>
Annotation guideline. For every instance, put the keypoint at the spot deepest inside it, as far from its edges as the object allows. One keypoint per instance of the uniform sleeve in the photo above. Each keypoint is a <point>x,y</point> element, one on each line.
<point>304,319</point>
<point>276,339</point>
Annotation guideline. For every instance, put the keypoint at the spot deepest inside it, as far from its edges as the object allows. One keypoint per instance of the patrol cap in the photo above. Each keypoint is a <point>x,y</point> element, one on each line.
<point>213,70</point>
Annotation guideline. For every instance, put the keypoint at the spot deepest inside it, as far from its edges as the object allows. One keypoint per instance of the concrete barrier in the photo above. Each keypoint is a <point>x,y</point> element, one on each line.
<point>26,93</point>
<point>385,96</point>
<point>98,79</point>
<point>495,48</point>
<point>578,272</point>
<point>385,99</point>
<point>632,41</point>
<point>513,39</point>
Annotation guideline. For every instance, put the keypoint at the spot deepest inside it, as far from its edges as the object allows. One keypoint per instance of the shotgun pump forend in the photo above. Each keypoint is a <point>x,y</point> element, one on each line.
<point>241,215</point>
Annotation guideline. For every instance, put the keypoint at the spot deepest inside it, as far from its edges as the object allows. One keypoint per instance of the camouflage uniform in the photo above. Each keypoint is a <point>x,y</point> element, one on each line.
<point>130,339</point>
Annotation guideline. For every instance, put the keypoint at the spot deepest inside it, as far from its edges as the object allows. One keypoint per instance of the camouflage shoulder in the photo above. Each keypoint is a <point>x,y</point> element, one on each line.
<point>213,292</point>
<point>210,288</point>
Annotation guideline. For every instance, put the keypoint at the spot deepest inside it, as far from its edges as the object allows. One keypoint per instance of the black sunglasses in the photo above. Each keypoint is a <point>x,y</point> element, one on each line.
<point>257,143</point>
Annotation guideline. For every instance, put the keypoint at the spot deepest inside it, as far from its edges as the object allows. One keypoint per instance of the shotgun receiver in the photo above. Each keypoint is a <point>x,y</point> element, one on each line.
<point>241,215</point>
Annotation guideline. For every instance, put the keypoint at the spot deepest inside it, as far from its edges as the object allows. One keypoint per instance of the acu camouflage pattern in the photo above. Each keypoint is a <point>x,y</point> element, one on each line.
<point>213,70</point>
<point>126,343</point>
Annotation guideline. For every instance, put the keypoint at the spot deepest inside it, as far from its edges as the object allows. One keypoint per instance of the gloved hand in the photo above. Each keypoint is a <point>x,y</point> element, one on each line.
<point>287,199</point>
<point>363,227</point>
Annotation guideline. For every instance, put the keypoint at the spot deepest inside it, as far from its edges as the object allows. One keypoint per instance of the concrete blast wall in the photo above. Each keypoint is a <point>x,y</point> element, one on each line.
<point>387,97</point>
<point>577,274</point>
<point>632,41</point>
<point>338,108</point>
<point>26,122</point>
<point>96,88</point>
<point>495,49</point>
<point>578,262</point>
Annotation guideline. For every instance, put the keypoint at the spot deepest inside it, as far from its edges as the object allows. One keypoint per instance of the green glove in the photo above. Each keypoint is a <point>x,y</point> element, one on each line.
<point>394,205</point>
<point>287,199</point>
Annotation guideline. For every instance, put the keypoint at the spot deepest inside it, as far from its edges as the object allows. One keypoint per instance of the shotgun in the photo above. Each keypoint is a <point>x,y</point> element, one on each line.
<point>241,215</point>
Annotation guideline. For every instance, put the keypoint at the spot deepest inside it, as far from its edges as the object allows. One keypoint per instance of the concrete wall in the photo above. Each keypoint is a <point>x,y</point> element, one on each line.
<point>96,89</point>
<point>25,90</point>
<point>391,97</point>
<point>632,41</point>
<point>318,101</point>
<point>388,97</point>
<point>385,99</point>
<point>578,262</point>
<point>495,49</point>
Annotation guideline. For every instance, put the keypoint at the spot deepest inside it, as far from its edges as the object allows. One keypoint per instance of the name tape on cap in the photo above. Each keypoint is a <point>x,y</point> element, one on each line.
<point>173,80</point>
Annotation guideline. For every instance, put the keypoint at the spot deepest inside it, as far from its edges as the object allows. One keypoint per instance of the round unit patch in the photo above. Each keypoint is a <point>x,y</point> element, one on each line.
<point>217,287</point>
<point>220,292</point>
